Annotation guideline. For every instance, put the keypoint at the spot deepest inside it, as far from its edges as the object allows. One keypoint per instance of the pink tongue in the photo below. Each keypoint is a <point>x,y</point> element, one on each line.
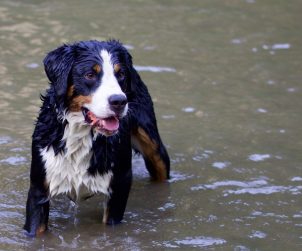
<point>110,124</point>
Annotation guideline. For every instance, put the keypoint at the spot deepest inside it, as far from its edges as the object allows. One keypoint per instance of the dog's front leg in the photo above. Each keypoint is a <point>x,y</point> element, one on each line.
<point>37,211</point>
<point>116,203</point>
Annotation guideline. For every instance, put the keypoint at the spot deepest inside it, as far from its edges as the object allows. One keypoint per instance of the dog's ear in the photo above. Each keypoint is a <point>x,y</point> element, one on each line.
<point>134,77</point>
<point>57,65</point>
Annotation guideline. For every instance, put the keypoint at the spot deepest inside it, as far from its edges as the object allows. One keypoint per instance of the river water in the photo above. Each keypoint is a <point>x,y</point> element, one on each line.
<point>225,77</point>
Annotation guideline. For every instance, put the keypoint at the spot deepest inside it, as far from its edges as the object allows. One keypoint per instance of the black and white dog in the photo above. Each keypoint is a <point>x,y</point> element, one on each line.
<point>95,111</point>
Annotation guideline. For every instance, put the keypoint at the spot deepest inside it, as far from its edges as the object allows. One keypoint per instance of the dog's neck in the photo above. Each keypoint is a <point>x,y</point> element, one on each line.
<point>67,172</point>
<point>77,136</point>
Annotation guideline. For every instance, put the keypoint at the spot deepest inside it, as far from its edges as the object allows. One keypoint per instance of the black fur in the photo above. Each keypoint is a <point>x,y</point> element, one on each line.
<point>63,66</point>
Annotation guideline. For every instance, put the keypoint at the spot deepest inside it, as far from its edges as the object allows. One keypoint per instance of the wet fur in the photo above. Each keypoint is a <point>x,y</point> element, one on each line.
<point>68,154</point>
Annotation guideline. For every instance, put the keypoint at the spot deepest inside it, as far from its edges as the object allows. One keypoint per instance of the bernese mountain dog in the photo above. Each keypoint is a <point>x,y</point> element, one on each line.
<point>95,111</point>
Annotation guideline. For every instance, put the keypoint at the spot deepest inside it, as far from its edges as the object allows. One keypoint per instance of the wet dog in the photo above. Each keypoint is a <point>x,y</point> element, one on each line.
<point>96,110</point>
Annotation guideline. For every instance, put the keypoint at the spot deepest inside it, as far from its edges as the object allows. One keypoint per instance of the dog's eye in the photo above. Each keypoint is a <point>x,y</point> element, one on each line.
<point>90,76</point>
<point>121,76</point>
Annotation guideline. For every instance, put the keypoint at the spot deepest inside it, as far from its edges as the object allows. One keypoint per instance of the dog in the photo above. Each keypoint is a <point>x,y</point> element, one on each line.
<point>95,111</point>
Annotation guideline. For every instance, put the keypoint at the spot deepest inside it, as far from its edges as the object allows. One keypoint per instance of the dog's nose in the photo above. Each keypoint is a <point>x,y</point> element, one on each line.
<point>117,102</point>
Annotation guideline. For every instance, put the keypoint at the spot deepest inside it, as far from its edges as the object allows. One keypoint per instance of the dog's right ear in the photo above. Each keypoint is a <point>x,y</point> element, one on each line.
<point>57,65</point>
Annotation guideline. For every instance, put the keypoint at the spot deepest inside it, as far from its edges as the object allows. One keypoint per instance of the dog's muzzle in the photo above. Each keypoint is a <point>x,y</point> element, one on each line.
<point>107,126</point>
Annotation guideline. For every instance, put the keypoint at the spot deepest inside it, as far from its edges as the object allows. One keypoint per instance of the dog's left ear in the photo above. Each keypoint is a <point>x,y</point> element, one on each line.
<point>57,65</point>
<point>134,77</point>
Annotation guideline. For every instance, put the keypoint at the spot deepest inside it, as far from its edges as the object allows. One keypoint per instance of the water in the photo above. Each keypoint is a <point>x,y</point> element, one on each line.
<point>225,77</point>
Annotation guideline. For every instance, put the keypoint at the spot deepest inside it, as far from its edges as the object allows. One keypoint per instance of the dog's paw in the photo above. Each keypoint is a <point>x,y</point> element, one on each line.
<point>112,221</point>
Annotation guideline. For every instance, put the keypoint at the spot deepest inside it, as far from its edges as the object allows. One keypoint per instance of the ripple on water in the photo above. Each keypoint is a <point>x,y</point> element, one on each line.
<point>177,176</point>
<point>168,205</point>
<point>284,46</point>
<point>154,68</point>
<point>255,187</point>
<point>178,158</point>
<point>238,40</point>
<point>138,167</point>
<point>188,109</point>
<point>196,242</point>
<point>259,157</point>
<point>32,65</point>
<point>5,140</point>
<point>202,154</point>
<point>257,234</point>
<point>235,183</point>
<point>297,178</point>
<point>241,248</point>
<point>221,165</point>
<point>261,110</point>
<point>168,116</point>
<point>18,149</point>
<point>277,46</point>
<point>14,160</point>
<point>264,190</point>
<point>139,170</point>
<point>269,214</point>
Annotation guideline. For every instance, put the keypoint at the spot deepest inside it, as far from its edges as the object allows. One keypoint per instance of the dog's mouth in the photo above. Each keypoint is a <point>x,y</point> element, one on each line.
<point>106,126</point>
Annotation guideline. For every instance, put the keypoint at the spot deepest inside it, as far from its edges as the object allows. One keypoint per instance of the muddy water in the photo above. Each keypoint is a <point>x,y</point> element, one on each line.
<point>225,77</point>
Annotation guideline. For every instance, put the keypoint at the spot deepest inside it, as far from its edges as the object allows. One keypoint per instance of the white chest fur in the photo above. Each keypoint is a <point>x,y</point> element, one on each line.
<point>67,172</point>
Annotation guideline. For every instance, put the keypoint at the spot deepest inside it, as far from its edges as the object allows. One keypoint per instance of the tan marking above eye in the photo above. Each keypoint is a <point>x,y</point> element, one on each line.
<point>97,68</point>
<point>117,67</point>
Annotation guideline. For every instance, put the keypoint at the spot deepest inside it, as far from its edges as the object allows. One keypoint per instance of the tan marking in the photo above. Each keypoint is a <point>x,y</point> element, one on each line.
<point>77,103</point>
<point>117,67</point>
<point>97,68</point>
<point>46,185</point>
<point>149,148</point>
<point>70,91</point>
<point>41,229</point>
<point>106,214</point>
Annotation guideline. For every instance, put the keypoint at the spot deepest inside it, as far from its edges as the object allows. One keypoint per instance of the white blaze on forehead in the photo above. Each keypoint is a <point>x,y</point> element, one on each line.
<point>108,86</point>
<point>108,69</point>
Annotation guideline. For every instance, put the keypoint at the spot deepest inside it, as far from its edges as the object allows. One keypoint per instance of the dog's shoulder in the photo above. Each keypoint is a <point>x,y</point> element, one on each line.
<point>49,126</point>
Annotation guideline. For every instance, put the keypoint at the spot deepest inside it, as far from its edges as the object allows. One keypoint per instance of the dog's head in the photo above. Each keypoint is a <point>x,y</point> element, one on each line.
<point>94,78</point>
